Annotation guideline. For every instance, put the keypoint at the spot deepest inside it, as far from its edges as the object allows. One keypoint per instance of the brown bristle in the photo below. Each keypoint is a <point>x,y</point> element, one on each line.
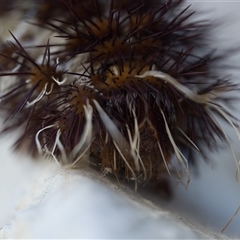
<point>43,75</point>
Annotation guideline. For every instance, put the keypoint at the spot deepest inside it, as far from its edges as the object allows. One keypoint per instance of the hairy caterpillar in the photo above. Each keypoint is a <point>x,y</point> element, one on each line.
<point>125,85</point>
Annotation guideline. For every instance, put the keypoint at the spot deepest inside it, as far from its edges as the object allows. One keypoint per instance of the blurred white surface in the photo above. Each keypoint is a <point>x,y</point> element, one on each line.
<point>39,200</point>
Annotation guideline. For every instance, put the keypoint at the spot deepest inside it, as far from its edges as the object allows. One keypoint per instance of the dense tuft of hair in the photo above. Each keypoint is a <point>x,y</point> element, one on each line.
<point>125,85</point>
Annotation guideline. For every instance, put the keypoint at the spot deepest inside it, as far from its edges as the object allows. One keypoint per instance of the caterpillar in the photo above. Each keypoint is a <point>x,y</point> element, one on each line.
<point>124,85</point>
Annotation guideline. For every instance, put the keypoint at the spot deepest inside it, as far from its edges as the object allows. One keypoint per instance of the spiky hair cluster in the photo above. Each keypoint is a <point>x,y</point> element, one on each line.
<point>125,85</point>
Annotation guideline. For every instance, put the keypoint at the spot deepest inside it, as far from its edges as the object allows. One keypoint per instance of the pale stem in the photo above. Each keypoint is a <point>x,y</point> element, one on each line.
<point>181,131</point>
<point>39,97</point>
<point>59,83</point>
<point>87,132</point>
<point>39,147</point>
